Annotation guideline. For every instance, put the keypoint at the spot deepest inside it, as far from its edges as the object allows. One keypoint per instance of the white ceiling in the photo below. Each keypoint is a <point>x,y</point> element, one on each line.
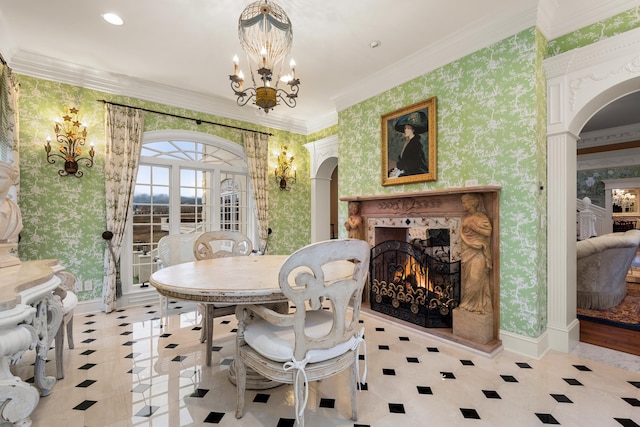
<point>179,52</point>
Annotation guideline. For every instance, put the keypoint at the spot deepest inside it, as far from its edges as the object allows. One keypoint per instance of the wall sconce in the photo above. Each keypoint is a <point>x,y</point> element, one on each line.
<point>284,169</point>
<point>71,135</point>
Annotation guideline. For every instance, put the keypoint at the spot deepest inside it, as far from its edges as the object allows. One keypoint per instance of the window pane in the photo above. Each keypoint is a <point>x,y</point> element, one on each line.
<point>201,204</point>
<point>150,220</point>
<point>144,175</point>
<point>187,177</point>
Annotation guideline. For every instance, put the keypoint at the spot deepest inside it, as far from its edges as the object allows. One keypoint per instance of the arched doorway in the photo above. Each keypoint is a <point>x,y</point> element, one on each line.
<point>579,83</point>
<point>324,160</point>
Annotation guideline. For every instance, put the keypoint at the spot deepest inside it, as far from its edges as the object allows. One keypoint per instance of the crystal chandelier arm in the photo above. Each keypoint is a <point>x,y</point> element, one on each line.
<point>289,98</point>
<point>243,96</point>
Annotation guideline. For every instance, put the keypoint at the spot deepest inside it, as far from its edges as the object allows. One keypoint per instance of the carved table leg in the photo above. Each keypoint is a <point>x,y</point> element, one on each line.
<point>17,398</point>
<point>48,319</point>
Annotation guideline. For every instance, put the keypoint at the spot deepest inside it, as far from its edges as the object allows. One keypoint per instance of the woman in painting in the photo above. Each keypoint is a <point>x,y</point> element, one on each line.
<point>413,156</point>
<point>476,257</point>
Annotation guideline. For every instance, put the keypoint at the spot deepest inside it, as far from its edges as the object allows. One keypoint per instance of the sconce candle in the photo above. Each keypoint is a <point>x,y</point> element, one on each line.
<point>71,135</point>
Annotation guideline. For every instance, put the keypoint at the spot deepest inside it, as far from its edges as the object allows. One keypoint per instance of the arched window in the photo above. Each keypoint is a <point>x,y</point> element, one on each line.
<point>187,182</point>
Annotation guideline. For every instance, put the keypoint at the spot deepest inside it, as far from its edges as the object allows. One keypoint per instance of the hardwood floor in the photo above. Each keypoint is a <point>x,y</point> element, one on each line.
<point>620,339</point>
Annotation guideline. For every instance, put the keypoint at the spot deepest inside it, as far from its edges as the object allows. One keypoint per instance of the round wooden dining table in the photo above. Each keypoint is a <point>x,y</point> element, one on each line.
<point>228,280</point>
<point>231,280</point>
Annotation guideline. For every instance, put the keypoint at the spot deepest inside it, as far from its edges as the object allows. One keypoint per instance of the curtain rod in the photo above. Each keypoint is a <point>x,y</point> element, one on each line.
<point>198,121</point>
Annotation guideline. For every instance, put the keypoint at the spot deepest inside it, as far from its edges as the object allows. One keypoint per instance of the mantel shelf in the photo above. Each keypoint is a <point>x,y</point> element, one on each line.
<point>443,192</point>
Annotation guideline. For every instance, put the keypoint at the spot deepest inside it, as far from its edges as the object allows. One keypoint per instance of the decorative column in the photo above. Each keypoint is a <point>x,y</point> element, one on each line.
<point>562,324</point>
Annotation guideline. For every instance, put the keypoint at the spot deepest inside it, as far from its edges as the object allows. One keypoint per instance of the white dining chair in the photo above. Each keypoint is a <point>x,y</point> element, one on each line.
<point>69,301</point>
<point>309,343</point>
<point>219,244</point>
<point>174,249</point>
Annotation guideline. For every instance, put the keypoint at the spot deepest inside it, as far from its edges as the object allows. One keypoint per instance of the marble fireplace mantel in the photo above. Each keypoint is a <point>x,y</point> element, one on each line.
<point>382,213</point>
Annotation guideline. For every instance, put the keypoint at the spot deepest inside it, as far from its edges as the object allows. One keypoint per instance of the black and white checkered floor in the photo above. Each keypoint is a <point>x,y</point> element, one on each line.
<point>134,367</point>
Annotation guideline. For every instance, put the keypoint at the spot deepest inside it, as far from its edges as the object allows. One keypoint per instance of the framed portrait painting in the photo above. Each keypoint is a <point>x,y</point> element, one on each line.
<point>409,144</point>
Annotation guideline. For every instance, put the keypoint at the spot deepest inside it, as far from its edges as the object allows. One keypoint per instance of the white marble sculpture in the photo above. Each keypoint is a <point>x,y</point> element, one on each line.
<point>10,216</point>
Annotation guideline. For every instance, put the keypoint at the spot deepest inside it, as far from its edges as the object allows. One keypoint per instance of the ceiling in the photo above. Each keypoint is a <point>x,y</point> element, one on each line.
<point>179,52</point>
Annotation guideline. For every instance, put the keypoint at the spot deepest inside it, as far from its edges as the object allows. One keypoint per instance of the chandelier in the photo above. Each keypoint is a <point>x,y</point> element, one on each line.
<point>71,135</point>
<point>623,198</point>
<point>266,36</point>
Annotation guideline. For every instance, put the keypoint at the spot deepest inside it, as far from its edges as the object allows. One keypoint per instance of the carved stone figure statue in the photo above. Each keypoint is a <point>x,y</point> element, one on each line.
<point>355,224</point>
<point>476,257</point>
<point>10,217</point>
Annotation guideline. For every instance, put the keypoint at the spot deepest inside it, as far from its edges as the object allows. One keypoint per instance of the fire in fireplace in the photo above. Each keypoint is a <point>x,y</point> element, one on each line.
<point>416,281</point>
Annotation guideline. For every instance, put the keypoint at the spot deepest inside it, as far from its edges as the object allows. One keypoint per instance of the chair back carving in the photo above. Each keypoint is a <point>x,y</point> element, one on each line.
<point>67,281</point>
<point>302,280</point>
<point>218,244</point>
<point>176,248</point>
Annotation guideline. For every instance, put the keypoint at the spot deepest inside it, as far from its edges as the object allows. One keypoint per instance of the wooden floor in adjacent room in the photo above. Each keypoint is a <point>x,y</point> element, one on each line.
<point>620,339</point>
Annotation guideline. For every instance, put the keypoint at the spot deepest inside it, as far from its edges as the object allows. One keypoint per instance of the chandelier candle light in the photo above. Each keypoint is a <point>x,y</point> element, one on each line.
<point>71,135</point>
<point>266,36</point>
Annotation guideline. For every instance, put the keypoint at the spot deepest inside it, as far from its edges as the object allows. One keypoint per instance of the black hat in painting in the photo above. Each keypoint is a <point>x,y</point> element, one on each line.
<point>417,120</point>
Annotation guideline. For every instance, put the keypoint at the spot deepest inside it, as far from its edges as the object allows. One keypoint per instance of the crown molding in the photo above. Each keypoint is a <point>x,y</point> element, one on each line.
<point>328,120</point>
<point>604,51</point>
<point>47,68</point>
<point>466,41</point>
<point>610,159</point>
<point>546,11</point>
<point>581,18</point>
<point>609,136</point>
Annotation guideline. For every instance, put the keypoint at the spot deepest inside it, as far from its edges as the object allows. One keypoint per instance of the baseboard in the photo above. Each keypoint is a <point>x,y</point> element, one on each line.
<point>535,348</point>
<point>147,296</point>
<point>87,307</point>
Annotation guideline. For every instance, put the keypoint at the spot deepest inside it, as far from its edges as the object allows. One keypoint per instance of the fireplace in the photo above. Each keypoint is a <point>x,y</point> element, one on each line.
<point>411,224</point>
<point>416,281</point>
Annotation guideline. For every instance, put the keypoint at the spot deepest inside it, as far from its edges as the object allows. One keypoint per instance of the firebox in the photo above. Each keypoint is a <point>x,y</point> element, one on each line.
<point>415,281</point>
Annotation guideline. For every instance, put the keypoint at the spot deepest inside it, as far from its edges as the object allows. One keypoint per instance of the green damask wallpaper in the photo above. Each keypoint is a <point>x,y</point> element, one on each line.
<point>617,24</point>
<point>488,129</point>
<point>64,217</point>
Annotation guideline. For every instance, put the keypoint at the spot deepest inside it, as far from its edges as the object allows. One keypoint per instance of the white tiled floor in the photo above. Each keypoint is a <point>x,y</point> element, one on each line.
<point>127,370</point>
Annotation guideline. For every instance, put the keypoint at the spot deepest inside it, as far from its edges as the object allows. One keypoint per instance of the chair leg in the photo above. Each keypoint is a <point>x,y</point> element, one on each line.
<point>241,380</point>
<point>59,339</point>
<point>299,399</point>
<point>354,391</point>
<point>70,331</point>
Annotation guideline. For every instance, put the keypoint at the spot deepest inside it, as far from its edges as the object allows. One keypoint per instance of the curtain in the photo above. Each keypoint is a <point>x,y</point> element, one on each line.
<point>256,146</point>
<point>124,128</point>
<point>9,92</point>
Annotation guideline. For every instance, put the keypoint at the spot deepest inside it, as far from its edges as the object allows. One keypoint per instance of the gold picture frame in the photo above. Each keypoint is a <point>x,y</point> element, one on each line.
<point>409,144</point>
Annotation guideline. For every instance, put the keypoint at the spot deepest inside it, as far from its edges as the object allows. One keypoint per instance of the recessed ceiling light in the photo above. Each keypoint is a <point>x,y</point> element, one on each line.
<point>112,18</point>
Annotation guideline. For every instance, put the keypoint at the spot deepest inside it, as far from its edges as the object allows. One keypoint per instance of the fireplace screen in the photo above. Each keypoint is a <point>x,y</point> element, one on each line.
<point>415,281</point>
